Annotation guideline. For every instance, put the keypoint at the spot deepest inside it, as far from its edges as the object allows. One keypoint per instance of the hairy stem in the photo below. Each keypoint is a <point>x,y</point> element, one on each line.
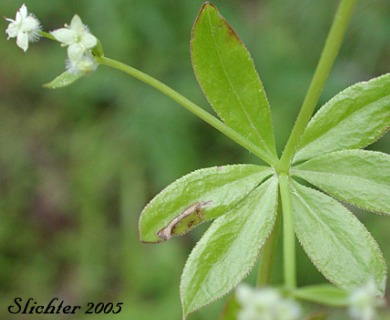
<point>267,258</point>
<point>329,53</point>
<point>190,106</point>
<point>288,233</point>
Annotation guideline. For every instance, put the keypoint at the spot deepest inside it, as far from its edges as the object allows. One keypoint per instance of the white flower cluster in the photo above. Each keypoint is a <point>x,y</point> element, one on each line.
<point>76,36</point>
<point>80,42</point>
<point>265,304</point>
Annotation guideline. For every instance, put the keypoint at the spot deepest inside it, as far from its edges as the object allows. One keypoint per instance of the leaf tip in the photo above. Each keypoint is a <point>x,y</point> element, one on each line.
<point>206,4</point>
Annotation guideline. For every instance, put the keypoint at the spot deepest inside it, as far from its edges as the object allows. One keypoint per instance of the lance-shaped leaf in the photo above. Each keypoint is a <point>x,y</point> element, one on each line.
<point>359,177</point>
<point>228,78</point>
<point>337,243</point>
<point>353,119</point>
<point>229,248</point>
<point>63,80</point>
<point>197,197</point>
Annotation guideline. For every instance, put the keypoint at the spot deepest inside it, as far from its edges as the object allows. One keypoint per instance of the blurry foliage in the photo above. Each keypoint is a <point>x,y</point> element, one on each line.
<point>78,164</point>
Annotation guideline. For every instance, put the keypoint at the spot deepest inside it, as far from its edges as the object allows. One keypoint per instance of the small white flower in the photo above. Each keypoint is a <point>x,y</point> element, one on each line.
<point>85,65</point>
<point>77,37</point>
<point>265,304</point>
<point>363,302</point>
<point>25,28</point>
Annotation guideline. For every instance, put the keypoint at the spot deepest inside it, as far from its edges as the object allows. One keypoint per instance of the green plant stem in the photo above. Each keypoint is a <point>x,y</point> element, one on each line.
<point>47,35</point>
<point>329,53</point>
<point>190,106</point>
<point>267,258</point>
<point>288,233</point>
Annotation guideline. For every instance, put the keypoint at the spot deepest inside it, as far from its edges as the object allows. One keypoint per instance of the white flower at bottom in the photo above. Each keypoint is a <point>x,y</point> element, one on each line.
<point>85,65</point>
<point>363,302</point>
<point>265,304</point>
<point>25,28</point>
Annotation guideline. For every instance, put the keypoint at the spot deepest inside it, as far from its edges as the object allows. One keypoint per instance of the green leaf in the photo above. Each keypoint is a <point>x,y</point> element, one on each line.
<point>335,240</point>
<point>63,80</point>
<point>323,294</point>
<point>353,119</point>
<point>197,197</point>
<point>228,78</point>
<point>359,177</point>
<point>230,247</point>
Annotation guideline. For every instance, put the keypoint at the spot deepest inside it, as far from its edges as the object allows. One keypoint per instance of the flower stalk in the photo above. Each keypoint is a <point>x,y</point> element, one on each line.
<point>189,105</point>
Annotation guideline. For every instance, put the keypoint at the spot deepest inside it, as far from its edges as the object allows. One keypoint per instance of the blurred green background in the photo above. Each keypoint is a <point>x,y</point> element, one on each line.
<point>77,165</point>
